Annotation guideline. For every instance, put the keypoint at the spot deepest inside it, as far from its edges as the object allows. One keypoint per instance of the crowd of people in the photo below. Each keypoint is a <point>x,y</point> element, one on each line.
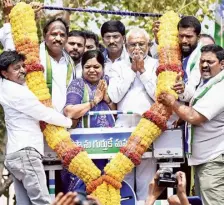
<point>82,75</point>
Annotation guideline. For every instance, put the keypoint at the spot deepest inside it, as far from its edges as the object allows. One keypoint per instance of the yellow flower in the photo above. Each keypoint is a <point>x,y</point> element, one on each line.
<point>107,194</point>
<point>21,16</point>
<point>119,166</point>
<point>102,194</point>
<point>26,40</point>
<point>115,196</point>
<point>165,82</point>
<point>168,33</point>
<point>84,167</point>
<point>55,135</point>
<point>37,84</point>
<point>146,131</point>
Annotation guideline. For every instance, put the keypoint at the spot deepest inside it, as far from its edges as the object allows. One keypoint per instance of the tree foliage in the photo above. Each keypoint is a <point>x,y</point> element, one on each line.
<point>94,21</point>
<point>184,7</point>
<point>4,182</point>
<point>90,21</point>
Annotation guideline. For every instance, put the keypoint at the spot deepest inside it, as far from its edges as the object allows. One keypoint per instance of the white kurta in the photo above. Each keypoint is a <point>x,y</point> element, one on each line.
<point>23,111</point>
<point>109,64</point>
<point>134,92</point>
<point>6,37</point>
<point>59,77</point>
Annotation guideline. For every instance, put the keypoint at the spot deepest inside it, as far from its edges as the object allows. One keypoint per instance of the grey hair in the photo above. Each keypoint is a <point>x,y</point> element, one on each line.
<point>137,30</point>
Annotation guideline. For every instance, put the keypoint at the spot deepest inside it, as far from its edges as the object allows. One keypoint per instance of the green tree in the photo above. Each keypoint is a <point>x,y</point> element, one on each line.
<point>84,21</point>
<point>184,7</point>
<point>4,182</point>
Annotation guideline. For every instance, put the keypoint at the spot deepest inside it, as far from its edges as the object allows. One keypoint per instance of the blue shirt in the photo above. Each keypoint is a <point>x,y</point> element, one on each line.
<point>184,67</point>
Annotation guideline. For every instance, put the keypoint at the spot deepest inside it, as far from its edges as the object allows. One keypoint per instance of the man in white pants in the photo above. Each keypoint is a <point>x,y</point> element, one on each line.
<point>132,87</point>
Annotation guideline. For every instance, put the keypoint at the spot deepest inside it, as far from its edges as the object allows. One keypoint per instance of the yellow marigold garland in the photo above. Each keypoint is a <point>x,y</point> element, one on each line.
<point>107,194</point>
<point>149,129</point>
<point>169,52</point>
<point>107,187</point>
<point>24,32</point>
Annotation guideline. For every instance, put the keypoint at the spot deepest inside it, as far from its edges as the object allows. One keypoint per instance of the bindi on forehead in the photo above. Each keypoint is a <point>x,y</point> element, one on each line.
<point>57,26</point>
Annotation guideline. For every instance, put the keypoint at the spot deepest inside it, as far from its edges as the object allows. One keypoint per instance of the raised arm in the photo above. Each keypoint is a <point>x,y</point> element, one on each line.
<point>154,47</point>
<point>154,190</point>
<point>5,32</point>
<point>148,78</point>
<point>75,107</point>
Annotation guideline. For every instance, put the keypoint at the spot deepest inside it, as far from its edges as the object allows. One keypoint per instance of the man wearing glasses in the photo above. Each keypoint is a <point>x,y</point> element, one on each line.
<point>132,86</point>
<point>113,35</point>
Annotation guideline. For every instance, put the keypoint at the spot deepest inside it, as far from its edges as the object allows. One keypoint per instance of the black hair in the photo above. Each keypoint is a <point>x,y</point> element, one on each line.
<point>101,47</point>
<point>190,22</point>
<point>113,26</point>
<point>9,57</point>
<point>76,33</point>
<point>205,35</point>
<point>93,54</point>
<point>216,49</point>
<point>46,26</point>
<point>91,35</point>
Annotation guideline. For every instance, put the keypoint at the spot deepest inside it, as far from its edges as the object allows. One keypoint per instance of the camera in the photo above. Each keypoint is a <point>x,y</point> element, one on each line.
<point>167,179</point>
<point>81,198</point>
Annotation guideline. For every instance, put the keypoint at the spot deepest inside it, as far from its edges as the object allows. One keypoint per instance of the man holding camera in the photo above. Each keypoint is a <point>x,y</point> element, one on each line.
<point>155,191</point>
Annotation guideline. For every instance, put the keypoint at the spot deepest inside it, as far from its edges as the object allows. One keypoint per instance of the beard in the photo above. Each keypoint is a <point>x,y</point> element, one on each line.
<point>187,50</point>
<point>76,57</point>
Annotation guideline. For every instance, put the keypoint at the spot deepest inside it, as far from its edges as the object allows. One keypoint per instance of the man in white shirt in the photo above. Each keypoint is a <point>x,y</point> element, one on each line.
<point>5,32</point>
<point>206,134</point>
<point>113,35</point>
<point>59,67</point>
<point>25,146</point>
<point>132,87</point>
<point>7,43</point>
<point>75,47</point>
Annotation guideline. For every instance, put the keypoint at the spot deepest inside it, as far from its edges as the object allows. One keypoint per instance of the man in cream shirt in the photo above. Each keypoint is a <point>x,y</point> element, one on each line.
<point>132,86</point>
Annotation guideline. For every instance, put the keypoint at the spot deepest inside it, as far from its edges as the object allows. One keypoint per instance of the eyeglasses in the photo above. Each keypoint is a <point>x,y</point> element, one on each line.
<point>139,44</point>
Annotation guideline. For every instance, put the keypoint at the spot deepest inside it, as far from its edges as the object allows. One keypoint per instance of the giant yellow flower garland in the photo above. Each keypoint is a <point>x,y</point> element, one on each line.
<point>22,19</point>
<point>74,158</point>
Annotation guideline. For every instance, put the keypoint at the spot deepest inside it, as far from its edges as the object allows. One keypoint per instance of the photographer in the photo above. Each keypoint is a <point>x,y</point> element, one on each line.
<point>74,198</point>
<point>155,191</point>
